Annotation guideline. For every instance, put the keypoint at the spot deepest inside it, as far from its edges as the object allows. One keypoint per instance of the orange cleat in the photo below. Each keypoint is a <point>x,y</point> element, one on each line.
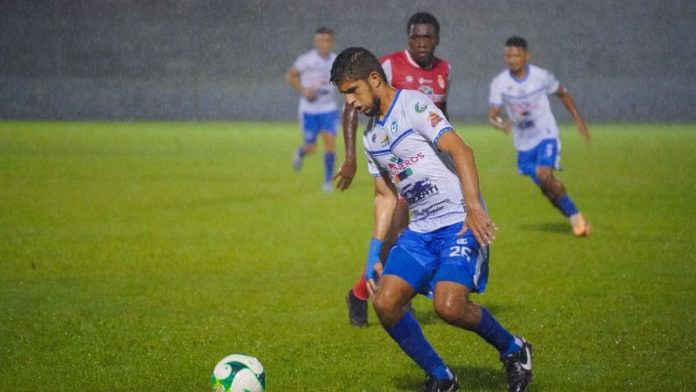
<point>581,227</point>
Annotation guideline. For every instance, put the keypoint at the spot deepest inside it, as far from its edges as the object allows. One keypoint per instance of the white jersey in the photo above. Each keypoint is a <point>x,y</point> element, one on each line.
<point>315,72</point>
<point>403,146</point>
<point>527,105</point>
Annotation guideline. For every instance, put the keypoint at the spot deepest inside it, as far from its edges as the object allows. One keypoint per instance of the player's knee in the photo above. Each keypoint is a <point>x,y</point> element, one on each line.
<point>457,313</point>
<point>387,309</point>
<point>310,148</point>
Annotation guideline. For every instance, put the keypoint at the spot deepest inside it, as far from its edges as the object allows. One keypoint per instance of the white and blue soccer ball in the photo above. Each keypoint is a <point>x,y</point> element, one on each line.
<point>238,373</point>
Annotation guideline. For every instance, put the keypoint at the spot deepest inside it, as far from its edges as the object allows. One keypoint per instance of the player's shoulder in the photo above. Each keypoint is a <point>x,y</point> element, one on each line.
<point>414,101</point>
<point>501,77</point>
<point>393,57</point>
<point>537,71</point>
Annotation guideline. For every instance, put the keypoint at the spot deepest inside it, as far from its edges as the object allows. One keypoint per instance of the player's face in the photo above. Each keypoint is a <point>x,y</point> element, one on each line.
<point>360,95</point>
<point>323,42</point>
<point>422,41</point>
<point>516,58</point>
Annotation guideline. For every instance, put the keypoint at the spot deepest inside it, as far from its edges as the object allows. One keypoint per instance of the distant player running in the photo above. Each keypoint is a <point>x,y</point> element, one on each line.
<point>416,68</point>
<point>445,247</point>
<point>318,111</point>
<point>522,89</point>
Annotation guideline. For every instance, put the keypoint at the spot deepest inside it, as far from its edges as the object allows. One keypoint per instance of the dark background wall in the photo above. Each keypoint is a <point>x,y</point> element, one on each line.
<point>623,60</point>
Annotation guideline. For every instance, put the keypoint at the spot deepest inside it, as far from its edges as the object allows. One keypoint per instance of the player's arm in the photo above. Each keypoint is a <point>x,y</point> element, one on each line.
<point>293,79</point>
<point>385,203</point>
<point>569,103</point>
<point>463,156</point>
<point>496,121</point>
<point>346,172</point>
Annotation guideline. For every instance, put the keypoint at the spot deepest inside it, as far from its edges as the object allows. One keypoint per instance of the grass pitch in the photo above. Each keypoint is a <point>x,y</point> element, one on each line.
<point>134,256</point>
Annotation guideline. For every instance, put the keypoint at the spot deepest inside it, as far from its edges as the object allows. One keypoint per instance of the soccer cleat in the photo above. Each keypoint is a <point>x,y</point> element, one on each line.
<point>297,161</point>
<point>357,310</point>
<point>518,366</point>
<point>581,227</point>
<point>432,384</point>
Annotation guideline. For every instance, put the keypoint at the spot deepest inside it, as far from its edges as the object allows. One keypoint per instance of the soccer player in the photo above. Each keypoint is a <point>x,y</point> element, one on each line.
<point>416,68</point>
<point>412,149</point>
<point>318,112</point>
<point>522,89</point>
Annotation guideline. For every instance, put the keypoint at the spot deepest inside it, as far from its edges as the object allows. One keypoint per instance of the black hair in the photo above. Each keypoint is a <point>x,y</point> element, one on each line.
<point>324,30</point>
<point>355,64</point>
<point>423,18</point>
<point>516,41</point>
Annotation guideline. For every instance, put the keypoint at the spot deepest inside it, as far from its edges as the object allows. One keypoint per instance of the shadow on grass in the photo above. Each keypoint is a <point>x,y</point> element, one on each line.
<point>558,227</point>
<point>471,378</point>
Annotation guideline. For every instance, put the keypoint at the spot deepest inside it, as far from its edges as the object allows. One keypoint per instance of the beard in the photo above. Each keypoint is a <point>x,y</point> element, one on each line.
<point>373,110</point>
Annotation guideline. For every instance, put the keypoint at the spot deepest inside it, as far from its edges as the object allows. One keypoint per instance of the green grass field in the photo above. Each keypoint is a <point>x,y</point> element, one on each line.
<point>134,256</point>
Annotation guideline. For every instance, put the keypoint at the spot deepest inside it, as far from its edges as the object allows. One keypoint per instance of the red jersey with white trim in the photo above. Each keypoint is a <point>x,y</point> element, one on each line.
<point>404,73</point>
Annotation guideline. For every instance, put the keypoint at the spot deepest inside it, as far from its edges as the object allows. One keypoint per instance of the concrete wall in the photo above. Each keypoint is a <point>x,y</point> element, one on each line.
<point>623,60</point>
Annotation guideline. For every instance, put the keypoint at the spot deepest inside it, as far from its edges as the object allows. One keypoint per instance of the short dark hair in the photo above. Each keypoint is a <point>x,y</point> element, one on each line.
<point>516,41</point>
<point>423,18</point>
<point>355,64</point>
<point>324,30</point>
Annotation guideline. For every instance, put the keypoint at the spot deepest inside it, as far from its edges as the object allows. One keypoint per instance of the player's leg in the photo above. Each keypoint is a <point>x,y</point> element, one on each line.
<point>357,297</point>
<point>406,272</point>
<point>328,128</point>
<point>463,270</point>
<point>310,130</point>
<point>399,222</point>
<point>547,161</point>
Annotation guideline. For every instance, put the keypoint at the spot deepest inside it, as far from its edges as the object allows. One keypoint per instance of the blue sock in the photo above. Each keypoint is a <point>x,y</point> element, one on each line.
<point>494,333</point>
<point>408,334</point>
<point>566,205</point>
<point>329,158</point>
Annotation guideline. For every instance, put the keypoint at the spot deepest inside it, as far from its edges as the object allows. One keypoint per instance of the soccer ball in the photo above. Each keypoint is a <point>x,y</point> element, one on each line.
<point>238,373</point>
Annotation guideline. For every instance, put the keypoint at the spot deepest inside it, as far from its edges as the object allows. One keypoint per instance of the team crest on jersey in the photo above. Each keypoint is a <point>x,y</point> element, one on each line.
<point>440,81</point>
<point>420,107</point>
<point>394,127</point>
<point>434,118</point>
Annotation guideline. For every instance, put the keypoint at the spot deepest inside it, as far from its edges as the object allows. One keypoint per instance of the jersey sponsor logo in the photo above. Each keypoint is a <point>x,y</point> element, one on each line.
<point>423,80</point>
<point>418,214</point>
<point>427,90</point>
<point>385,141</point>
<point>434,118</point>
<point>419,191</point>
<point>409,79</point>
<point>441,81</point>
<point>399,169</point>
<point>420,107</point>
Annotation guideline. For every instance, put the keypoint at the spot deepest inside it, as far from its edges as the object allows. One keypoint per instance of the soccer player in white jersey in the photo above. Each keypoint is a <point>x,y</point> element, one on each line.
<point>318,112</point>
<point>412,149</point>
<point>522,89</point>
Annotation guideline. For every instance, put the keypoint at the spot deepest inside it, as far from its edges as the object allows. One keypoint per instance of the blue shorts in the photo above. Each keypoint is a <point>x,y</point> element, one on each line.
<point>547,153</point>
<point>313,124</point>
<point>424,259</point>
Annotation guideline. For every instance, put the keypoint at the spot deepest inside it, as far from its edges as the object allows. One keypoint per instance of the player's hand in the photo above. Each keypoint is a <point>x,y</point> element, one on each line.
<point>373,283</point>
<point>309,93</point>
<point>345,174</point>
<point>480,224</point>
<point>507,127</point>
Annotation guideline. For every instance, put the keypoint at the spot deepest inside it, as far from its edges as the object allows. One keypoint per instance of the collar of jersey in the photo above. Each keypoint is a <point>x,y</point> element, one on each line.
<point>386,116</point>
<point>525,76</point>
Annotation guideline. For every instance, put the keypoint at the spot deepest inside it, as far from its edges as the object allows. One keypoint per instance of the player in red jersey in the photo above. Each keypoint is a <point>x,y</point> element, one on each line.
<point>415,68</point>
